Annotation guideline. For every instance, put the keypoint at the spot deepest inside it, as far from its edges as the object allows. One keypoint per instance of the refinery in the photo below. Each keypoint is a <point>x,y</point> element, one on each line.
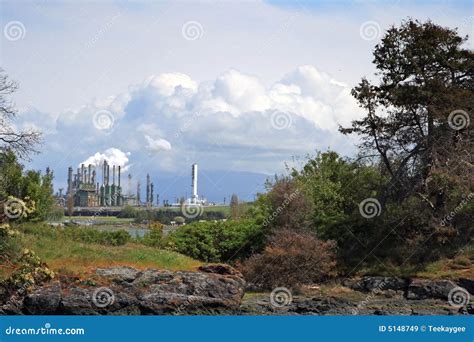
<point>86,190</point>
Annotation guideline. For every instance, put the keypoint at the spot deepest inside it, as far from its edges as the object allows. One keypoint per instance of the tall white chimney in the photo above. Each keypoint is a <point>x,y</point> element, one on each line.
<point>194,196</point>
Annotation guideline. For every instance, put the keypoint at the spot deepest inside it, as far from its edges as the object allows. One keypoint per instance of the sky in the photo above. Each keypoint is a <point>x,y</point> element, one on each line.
<point>239,87</point>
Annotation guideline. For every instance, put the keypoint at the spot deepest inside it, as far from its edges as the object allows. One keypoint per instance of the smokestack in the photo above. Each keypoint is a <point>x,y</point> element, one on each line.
<point>69,180</point>
<point>194,196</point>
<point>104,172</point>
<point>108,174</point>
<point>93,177</point>
<point>119,175</point>
<point>138,192</point>
<point>83,171</point>
<point>113,175</point>
<point>89,174</point>
<point>147,189</point>
<point>129,185</point>
<point>151,194</point>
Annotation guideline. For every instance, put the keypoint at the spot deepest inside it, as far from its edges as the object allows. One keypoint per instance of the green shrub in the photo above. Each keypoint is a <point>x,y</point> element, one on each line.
<point>154,237</point>
<point>128,212</point>
<point>217,241</point>
<point>9,242</point>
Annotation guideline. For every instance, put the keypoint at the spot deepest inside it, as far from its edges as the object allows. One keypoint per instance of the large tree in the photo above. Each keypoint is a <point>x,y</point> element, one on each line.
<point>21,142</point>
<point>418,113</point>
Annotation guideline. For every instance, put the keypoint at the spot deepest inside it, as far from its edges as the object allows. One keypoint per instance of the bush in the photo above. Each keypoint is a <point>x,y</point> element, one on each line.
<point>127,212</point>
<point>9,242</point>
<point>291,259</point>
<point>217,241</point>
<point>154,237</point>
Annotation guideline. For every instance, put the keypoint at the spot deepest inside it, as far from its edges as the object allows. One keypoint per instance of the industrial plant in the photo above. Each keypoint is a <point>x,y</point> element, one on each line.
<point>85,190</point>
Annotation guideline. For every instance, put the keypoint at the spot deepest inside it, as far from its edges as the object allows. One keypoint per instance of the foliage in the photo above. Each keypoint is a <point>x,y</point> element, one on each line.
<point>31,271</point>
<point>335,186</point>
<point>154,237</point>
<point>64,254</point>
<point>32,186</point>
<point>234,207</point>
<point>9,246</point>
<point>291,259</point>
<point>82,234</point>
<point>90,235</point>
<point>127,212</point>
<point>166,216</point>
<point>425,76</point>
<point>27,268</point>
<point>217,241</point>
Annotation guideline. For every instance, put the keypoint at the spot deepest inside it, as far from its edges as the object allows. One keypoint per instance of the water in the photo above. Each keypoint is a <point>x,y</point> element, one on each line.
<point>134,231</point>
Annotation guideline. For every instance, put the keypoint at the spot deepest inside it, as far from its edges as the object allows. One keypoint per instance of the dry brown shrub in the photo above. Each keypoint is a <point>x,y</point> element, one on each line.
<point>291,259</point>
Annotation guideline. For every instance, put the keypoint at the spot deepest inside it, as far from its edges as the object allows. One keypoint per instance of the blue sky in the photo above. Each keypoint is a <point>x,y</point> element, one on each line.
<point>234,86</point>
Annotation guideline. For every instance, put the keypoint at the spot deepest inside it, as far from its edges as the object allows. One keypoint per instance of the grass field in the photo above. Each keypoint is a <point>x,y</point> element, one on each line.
<point>67,256</point>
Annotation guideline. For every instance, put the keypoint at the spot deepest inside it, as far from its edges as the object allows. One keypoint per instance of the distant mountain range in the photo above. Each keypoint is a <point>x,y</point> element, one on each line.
<point>213,185</point>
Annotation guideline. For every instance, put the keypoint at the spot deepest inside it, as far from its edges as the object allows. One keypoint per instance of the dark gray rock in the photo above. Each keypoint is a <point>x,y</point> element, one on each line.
<point>44,300</point>
<point>126,291</point>
<point>468,284</point>
<point>425,288</point>
<point>376,284</point>
<point>118,274</point>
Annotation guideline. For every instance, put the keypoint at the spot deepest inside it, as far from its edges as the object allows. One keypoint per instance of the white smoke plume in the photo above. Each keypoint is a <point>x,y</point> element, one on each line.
<point>113,156</point>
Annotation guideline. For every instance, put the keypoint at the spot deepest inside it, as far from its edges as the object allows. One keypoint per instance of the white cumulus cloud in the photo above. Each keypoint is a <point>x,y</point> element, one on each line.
<point>227,123</point>
<point>157,145</point>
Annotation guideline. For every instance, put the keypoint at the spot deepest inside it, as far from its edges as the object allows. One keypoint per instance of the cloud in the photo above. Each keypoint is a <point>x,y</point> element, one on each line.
<point>233,122</point>
<point>157,145</point>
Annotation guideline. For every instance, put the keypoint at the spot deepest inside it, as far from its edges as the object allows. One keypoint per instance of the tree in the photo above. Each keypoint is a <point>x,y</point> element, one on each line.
<point>418,115</point>
<point>21,142</point>
<point>11,173</point>
<point>234,206</point>
<point>287,205</point>
<point>27,185</point>
<point>334,186</point>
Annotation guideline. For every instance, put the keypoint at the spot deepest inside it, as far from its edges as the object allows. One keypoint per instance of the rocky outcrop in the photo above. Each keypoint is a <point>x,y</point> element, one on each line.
<point>371,284</point>
<point>127,291</point>
<point>425,288</point>
<point>219,289</point>
<point>414,288</point>
<point>377,305</point>
<point>468,284</point>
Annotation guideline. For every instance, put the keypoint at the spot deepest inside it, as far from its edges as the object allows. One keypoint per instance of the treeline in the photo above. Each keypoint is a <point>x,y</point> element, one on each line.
<point>165,216</point>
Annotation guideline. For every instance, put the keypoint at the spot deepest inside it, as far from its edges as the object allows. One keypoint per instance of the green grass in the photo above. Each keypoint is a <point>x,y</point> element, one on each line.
<point>64,255</point>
